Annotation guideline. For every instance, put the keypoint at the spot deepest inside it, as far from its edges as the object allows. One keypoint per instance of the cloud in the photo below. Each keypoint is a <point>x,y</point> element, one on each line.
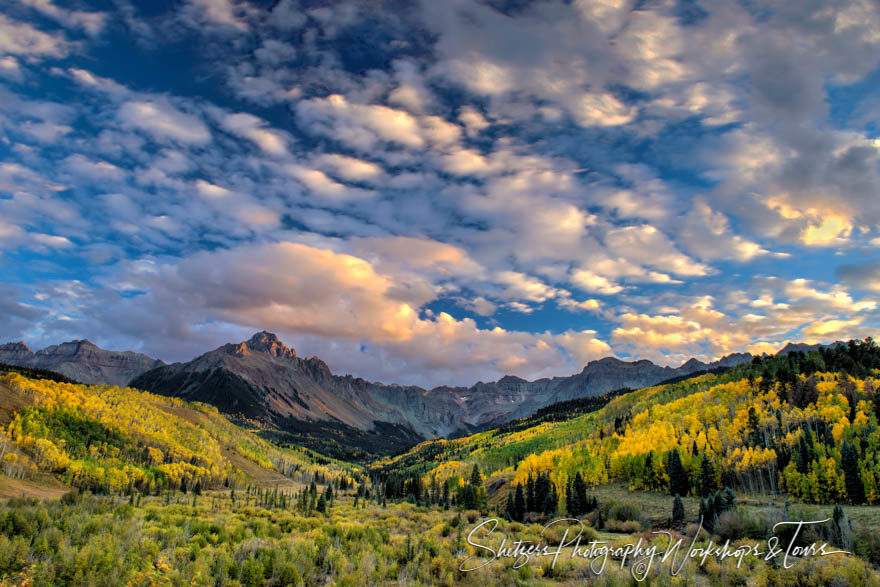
<point>90,22</point>
<point>865,275</point>
<point>20,38</point>
<point>360,126</point>
<point>220,12</point>
<point>271,142</point>
<point>350,168</point>
<point>707,234</point>
<point>646,245</point>
<point>317,294</point>
<point>163,121</point>
<point>10,69</point>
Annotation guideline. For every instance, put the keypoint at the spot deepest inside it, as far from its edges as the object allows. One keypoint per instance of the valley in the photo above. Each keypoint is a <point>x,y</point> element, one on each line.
<point>193,496</point>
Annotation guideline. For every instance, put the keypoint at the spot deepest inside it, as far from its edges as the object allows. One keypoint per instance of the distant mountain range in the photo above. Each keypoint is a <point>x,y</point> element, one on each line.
<point>82,361</point>
<point>262,379</point>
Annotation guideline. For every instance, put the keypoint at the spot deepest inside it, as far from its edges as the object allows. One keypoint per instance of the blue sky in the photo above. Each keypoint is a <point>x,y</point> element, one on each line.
<point>440,192</point>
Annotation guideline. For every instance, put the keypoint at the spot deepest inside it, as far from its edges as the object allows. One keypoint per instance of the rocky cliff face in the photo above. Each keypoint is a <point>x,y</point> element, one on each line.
<point>262,378</point>
<point>81,360</point>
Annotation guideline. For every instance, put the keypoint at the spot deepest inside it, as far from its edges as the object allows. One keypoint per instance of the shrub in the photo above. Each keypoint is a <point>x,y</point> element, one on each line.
<point>734,525</point>
<point>624,512</point>
<point>626,526</point>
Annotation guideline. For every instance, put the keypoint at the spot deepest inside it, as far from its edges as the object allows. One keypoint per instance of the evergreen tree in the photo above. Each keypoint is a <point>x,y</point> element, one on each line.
<point>519,502</point>
<point>677,511</point>
<point>855,488</point>
<point>531,506</point>
<point>754,426</point>
<point>322,505</point>
<point>580,504</point>
<point>707,477</point>
<point>510,508</point>
<point>197,489</point>
<point>550,502</point>
<point>678,478</point>
<point>476,477</point>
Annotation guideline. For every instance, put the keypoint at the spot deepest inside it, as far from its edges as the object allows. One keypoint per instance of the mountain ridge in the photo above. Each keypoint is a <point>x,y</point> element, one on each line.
<point>81,360</point>
<point>263,379</point>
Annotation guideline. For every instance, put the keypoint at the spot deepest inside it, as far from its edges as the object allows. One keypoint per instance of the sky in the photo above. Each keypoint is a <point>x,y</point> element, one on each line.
<point>441,192</point>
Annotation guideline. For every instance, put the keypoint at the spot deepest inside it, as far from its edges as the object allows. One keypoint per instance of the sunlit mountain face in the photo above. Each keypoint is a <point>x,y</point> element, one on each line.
<point>440,192</point>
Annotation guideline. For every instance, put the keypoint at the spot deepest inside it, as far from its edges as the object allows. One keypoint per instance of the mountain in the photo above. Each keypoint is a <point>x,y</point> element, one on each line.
<point>802,347</point>
<point>82,361</point>
<point>264,380</point>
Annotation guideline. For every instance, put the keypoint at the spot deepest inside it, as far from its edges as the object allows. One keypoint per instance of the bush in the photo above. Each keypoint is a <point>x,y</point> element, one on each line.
<point>734,525</point>
<point>624,512</point>
<point>866,544</point>
<point>72,497</point>
<point>626,526</point>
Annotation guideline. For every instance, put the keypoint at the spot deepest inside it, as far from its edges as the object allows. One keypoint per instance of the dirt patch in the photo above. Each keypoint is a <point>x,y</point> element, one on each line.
<point>42,487</point>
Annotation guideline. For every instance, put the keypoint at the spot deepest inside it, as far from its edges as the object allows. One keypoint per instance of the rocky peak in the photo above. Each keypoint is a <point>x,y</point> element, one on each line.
<point>692,365</point>
<point>15,352</point>
<point>267,342</point>
<point>69,348</point>
<point>19,346</point>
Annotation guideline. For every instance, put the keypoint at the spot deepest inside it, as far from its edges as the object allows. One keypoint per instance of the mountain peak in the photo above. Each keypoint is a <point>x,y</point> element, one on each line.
<point>266,342</point>
<point>19,346</point>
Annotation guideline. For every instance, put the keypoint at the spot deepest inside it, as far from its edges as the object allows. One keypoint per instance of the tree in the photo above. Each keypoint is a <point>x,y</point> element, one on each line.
<point>476,477</point>
<point>754,425</point>
<point>677,511</point>
<point>510,508</point>
<point>855,488</point>
<point>678,478</point>
<point>519,504</point>
<point>707,477</point>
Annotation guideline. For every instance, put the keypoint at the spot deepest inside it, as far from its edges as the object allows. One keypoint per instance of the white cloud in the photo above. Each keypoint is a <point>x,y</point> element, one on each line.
<point>350,168</point>
<point>163,121</point>
<point>90,22</point>
<point>20,38</point>
<point>646,245</point>
<point>271,142</point>
<point>359,125</point>
<point>602,110</point>
<point>220,12</point>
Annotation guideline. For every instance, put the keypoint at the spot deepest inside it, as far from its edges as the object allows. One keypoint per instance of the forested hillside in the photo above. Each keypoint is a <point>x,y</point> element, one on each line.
<point>108,439</point>
<point>799,424</point>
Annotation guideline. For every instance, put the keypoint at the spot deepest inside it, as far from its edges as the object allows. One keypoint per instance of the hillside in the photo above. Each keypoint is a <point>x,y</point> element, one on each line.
<point>108,439</point>
<point>799,424</point>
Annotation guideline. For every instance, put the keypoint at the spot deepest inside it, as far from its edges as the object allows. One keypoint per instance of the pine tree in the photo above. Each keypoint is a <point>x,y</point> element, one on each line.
<point>510,508</point>
<point>855,488</point>
<point>707,477</point>
<point>197,489</point>
<point>550,502</point>
<point>754,425</point>
<point>677,511</point>
<point>678,478</point>
<point>530,495</point>
<point>476,477</point>
<point>579,500</point>
<point>519,502</point>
